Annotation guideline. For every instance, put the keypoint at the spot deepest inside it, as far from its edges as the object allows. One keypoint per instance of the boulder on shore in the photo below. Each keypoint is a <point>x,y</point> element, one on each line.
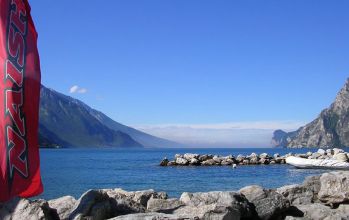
<point>148,216</point>
<point>214,205</point>
<point>318,211</point>
<point>305,193</point>
<point>24,209</point>
<point>63,205</point>
<point>268,203</point>
<point>319,197</point>
<point>334,188</point>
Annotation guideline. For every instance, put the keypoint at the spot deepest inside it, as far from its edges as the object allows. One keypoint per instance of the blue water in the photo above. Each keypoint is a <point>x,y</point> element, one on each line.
<point>73,171</point>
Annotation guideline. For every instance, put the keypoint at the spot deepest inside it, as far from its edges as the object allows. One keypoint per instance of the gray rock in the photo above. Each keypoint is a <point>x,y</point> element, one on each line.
<point>148,216</point>
<point>63,205</point>
<point>208,162</point>
<point>268,203</point>
<point>313,183</point>
<point>245,162</point>
<point>194,162</point>
<point>143,196</point>
<point>264,155</point>
<point>178,156</point>
<point>125,203</point>
<point>205,157</point>
<point>214,205</point>
<point>172,163</point>
<point>240,158</point>
<point>102,210</point>
<point>23,209</point>
<point>227,162</point>
<point>217,159</point>
<point>278,160</point>
<point>164,162</point>
<point>103,204</point>
<point>264,161</point>
<point>319,211</point>
<point>127,206</point>
<point>252,202</point>
<point>163,205</point>
<point>343,209</point>
<point>297,194</point>
<point>182,161</point>
<point>160,195</point>
<point>188,156</point>
<point>229,157</point>
<point>131,202</point>
<point>87,201</point>
<point>334,187</point>
<point>254,160</point>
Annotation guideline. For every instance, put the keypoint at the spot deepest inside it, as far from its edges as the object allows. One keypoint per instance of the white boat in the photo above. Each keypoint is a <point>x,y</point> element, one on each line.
<point>303,163</point>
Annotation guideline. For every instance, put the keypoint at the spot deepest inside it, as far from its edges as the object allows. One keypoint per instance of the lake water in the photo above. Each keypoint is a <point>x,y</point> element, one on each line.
<point>74,171</point>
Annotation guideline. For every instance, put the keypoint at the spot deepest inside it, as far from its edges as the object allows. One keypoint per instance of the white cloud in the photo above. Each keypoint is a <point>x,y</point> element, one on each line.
<point>77,89</point>
<point>231,134</point>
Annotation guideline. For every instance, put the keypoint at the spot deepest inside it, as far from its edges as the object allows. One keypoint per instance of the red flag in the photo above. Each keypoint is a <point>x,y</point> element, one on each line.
<point>19,98</point>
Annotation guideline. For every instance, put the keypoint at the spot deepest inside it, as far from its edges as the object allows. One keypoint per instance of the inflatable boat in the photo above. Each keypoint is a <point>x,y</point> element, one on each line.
<point>303,163</point>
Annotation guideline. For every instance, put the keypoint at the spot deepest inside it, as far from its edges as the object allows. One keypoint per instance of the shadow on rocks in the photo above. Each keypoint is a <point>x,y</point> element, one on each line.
<point>293,211</point>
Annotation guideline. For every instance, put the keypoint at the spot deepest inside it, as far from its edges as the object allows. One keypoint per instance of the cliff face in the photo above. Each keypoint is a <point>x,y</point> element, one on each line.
<point>67,122</point>
<point>330,128</point>
<point>280,138</point>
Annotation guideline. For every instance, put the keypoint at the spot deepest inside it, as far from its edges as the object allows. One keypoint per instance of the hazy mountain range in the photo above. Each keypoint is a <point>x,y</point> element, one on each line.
<point>330,128</point>
<point>68,122</point>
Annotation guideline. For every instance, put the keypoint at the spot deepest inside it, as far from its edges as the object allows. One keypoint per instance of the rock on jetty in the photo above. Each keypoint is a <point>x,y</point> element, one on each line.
<point>318,197</point>
<point>190,159</point>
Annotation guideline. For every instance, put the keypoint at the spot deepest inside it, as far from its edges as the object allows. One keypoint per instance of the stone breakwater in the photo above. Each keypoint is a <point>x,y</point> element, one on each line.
<point>318,197</point>
<point>190,159</point>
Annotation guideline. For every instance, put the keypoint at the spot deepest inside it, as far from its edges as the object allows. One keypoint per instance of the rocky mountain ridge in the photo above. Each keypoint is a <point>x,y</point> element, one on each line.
<point>68,122</point>
<point>329,129</point>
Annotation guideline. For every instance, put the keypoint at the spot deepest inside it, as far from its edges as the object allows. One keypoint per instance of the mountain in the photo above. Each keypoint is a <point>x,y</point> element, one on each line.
<point>145,139</point>
<point>329,129</point>
<point>65,121</point>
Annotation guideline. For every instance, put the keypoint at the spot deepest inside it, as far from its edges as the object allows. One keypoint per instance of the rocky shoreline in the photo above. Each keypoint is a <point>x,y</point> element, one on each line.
<point>318,197</point>
<point>190,159</point>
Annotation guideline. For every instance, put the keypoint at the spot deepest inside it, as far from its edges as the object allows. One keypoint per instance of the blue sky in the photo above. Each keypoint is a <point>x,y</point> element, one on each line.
<point>157,63</point>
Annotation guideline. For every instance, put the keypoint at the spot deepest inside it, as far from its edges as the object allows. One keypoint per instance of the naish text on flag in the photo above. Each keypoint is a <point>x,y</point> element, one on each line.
<point>14,70</point>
